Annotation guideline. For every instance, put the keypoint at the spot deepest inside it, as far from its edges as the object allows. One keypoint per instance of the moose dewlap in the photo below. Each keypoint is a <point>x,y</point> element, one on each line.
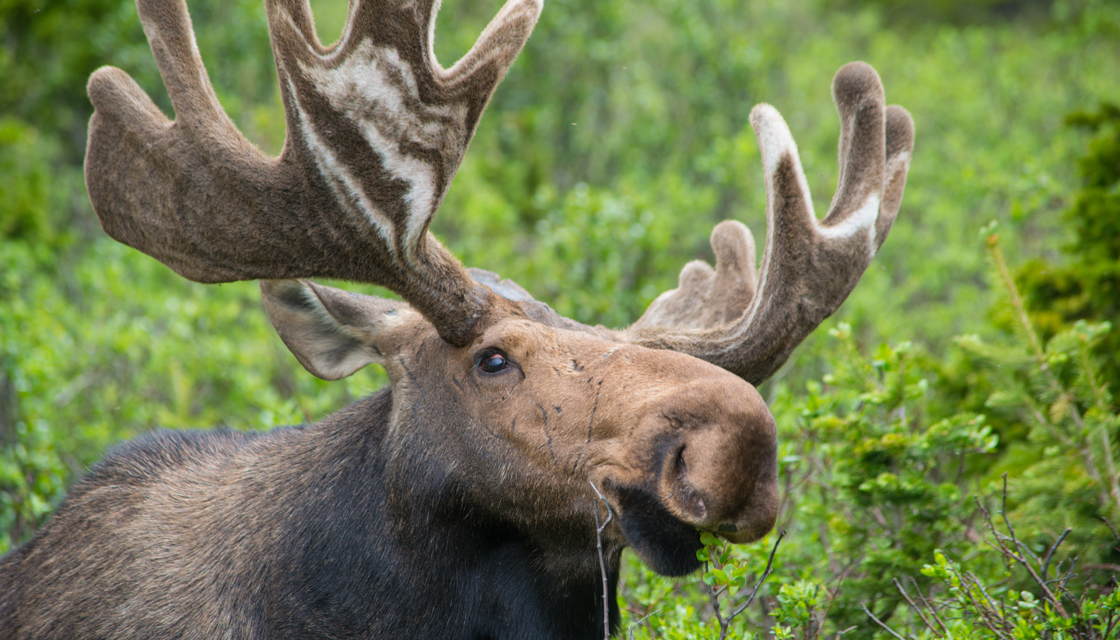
<point>459,502</point>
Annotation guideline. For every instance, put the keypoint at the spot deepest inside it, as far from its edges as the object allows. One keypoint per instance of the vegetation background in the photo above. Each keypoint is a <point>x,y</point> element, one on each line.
<point>969,359</point>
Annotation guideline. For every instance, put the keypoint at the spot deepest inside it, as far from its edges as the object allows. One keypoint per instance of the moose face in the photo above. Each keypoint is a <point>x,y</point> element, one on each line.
<point>537,409</point>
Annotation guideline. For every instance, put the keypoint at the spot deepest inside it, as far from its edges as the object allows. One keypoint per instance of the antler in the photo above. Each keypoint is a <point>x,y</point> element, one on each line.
<point>808,267</point>
<point>376,131</point>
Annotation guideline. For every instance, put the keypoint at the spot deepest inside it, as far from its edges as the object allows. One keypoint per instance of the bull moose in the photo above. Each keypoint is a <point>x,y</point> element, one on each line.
<point>461,501</point>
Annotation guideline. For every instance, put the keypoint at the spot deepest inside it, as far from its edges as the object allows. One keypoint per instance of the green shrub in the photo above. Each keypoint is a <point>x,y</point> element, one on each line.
<point>1088,287</point>
<point>26,197</point>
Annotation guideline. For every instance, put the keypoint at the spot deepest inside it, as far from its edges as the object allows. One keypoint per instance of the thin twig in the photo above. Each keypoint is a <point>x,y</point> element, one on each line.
<point>1111,624</point>
<point>1017,557</point>
<point>1069,575</point>
<point>630,631</point>
<point>996,616</point>
<point>931,608</point>
<point>915,607</point>
<point>1007,523</point>
<point>1050,552</point>
<point>765,575</point>
<point>714,598</point>
<point>1110,527</point>
<point>1114,568</point>
<point>602,563</point>
<point>880,622</point>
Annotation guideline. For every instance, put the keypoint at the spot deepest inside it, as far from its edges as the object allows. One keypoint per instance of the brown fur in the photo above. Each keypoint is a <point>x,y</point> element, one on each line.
<point>460,504</point>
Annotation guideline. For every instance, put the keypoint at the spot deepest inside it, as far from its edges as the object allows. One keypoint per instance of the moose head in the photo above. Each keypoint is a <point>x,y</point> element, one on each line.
<point>502,414</point>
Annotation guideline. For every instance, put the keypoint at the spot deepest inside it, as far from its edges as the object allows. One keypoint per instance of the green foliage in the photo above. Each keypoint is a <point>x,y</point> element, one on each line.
<point>956,11</point>
<point>104,359</point>
<point>1088,288</point>
<point>598,256</point>
<point>1017,614</point>
<point>27,197</point>
<point>49,50</point>
<point>971,606</point>
<point>881,478</point>
<point>799,614</point>
<point>32,480</point>
<point>1057,390</point>
<point>616,143</point>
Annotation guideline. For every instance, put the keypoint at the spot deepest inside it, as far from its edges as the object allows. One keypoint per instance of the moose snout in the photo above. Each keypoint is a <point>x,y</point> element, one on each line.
<point>720,471</point>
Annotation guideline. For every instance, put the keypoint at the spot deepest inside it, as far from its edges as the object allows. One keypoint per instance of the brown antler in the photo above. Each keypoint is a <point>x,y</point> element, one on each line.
<point>808,267</point>
<point>376,131</point>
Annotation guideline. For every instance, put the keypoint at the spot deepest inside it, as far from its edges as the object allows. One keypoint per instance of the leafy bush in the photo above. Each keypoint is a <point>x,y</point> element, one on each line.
<point>877,480</point>
<point>28,197</point>
<point>1088,288</point>
<point>972,607</point>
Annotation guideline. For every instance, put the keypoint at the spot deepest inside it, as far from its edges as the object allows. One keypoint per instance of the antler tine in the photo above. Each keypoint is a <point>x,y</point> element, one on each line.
<point>376,131</point>
<point>808,267</point>
<point>705,297</point>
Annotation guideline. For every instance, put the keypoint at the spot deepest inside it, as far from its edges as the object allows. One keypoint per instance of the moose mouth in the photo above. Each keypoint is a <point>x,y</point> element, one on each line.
<point>666,544</point>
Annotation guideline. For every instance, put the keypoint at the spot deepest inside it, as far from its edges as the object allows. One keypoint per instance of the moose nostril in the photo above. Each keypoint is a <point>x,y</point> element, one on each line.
<point>680,465</point>
<point>727,527</point>
<point>678,490</point>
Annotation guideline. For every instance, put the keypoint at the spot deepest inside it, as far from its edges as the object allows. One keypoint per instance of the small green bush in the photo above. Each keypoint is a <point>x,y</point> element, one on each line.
<point>1088,287</point>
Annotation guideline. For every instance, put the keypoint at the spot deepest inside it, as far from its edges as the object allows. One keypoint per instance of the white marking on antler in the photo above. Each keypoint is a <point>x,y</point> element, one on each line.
<point>774,142</point>
<point>900,162</point>
<point>338,175</point>
<point>430,41</point>
<point>367,88</point>
<point>860,219</point>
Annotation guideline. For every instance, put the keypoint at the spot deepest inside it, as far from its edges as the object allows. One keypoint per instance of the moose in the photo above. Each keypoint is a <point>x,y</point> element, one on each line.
<point>462,500</point>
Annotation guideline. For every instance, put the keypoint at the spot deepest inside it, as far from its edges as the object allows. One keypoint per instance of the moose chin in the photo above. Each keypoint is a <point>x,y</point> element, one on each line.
<point>463,500</point>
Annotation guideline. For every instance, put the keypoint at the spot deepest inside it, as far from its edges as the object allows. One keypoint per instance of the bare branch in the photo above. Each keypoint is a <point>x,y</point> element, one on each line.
<point>915,607</point>
<point>1014,555</point>
<point>602,563</point>
<point>880,622</point>
<point>1111,528</point>
<point>765,575</point>
<point>630,631</point>
<point>713,597</point>
<point>931,608</point>
<point>1050,552</point>
<point>1007,523</point>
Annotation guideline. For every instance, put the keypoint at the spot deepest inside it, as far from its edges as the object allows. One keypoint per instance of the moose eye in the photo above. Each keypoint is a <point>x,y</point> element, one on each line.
<point>494,363</point>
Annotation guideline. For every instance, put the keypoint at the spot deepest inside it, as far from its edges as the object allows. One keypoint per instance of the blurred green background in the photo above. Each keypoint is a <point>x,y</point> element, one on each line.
<point>615,144</point>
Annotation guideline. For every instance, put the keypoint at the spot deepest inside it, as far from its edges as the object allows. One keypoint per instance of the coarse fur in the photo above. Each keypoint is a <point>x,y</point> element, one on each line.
<point>445,566</point>
<point>426,508</point>
<point>463,501</point>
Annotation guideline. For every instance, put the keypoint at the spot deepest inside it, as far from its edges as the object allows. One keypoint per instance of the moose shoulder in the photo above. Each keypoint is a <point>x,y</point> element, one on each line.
<point>461,501</point>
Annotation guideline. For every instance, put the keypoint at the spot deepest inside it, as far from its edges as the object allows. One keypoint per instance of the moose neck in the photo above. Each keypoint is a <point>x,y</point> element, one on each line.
<point>396,521</point>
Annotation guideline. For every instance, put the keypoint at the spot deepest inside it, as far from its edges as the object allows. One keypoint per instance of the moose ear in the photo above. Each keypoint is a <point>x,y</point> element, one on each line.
<point>332,332</point>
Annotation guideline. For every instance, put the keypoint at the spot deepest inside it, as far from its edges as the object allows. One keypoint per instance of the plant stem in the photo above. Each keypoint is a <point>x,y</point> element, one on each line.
<point>602,563</point>
<point>1016,300</point>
